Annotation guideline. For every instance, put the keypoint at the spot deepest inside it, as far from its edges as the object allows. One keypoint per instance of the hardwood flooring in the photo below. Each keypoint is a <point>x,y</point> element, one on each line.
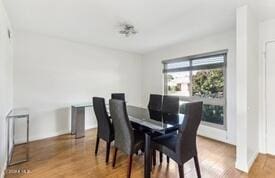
<point>64,156</point>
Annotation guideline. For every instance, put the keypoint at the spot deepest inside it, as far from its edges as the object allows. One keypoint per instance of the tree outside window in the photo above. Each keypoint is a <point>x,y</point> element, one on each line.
<point>200,79</point>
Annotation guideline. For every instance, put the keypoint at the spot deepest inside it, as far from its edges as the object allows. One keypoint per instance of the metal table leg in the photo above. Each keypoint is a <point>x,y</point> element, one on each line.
<point>8,140</point>
<point>12,118</point>
<point>147,156</point>
<point>80,122</point>
<point>28,137</point>
<point>73,119</point>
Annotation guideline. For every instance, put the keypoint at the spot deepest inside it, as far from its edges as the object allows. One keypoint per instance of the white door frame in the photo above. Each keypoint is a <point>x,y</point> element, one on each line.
<point>263,97</point>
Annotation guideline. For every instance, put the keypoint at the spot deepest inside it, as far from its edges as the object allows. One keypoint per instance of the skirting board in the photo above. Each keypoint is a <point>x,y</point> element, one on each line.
<point>241,166</point>
<point>252,160</point>
<point>54,134</point>
<point>40,137</point>
<point>246,167</point>
<point>213,133</point>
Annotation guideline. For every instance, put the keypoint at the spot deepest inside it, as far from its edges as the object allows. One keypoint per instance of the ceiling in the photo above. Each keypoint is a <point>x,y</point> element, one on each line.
<point>159,22</point>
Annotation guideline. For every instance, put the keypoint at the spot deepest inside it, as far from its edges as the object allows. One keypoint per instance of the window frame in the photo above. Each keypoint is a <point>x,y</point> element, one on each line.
<point>213,101</point>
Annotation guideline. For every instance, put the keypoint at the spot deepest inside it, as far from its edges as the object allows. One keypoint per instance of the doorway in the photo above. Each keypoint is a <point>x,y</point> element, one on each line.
<point>270,98</point>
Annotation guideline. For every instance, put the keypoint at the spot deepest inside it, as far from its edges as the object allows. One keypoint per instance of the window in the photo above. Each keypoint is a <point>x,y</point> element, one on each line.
<point>200,77</point>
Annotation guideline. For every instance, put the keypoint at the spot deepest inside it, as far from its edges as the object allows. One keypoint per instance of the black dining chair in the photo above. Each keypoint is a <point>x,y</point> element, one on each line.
<point>118,96</point>
<point>127,140</point>
<point>105,129</point>
<point>155,102</point>
<point>170,104</point>
<point>182,147</point>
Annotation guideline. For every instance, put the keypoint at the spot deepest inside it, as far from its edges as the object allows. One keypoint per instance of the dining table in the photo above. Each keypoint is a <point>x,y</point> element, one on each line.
<point>149,122</point>
<point>152,123</point>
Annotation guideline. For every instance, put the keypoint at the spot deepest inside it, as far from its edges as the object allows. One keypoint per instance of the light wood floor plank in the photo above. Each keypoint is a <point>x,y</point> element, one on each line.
<point>64,156</point>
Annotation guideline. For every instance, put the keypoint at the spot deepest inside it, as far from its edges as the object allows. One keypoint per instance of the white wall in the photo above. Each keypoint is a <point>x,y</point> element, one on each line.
<point>252,86</point>
<point>247,88</point>
<point>153,77</point>
<point>6,87</point>
<point>51,74</point>
<point>266,33</point>
<point>241,82</point>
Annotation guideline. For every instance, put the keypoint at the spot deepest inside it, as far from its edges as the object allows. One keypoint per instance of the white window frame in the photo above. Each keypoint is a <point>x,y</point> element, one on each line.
<point>213,101</point>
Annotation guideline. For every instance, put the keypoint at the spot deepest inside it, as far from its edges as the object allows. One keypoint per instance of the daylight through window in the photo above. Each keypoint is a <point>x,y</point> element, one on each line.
<point>200,77</point>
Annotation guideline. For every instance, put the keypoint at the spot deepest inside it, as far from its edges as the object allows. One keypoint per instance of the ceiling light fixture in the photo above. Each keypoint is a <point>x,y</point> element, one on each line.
<point>127,29</point>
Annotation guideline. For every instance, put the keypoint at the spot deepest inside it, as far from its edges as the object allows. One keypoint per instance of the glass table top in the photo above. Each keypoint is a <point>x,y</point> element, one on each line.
<point>155,120</point>
<point>18,112</point>
<point>90,104</point>
<point>87,104</point>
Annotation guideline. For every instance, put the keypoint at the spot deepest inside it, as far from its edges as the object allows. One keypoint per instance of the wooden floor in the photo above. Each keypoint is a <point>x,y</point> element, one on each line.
<point>64,156</point>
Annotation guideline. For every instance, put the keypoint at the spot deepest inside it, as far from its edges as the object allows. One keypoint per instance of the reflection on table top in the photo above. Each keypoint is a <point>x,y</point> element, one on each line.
<point>155,120</point>
<point>90,104</point>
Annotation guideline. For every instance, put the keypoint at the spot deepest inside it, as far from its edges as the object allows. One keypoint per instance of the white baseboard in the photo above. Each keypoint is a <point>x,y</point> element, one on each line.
<point>91,127</point>
<point>41,136</point>
<point>245,167</point>
<point>53,134</point>
<point>241,166</point>
<point>251,160</point>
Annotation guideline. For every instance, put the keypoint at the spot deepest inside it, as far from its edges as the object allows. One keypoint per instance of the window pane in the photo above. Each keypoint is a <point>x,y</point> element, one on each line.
<point>208,83</point>
<point>200,79</point>
<point>178,83</point>
<point>178,65</point>
<point>208,61</point>
<point>213,114</point>
<point>210,113</point>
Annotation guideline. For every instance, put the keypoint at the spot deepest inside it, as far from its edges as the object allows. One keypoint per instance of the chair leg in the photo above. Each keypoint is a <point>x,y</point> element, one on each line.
<point>129,166</point>
<point>114,158</point>
<point>108,144</point>
<point>96,145</point>
<point>154,157</point>
<point>168,159</point>
<point>160,157</point>
<point>181,170</point>
<point>196,160</point>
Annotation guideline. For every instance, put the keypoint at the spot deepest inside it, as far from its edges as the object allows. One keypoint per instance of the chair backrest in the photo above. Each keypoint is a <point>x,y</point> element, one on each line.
<point>124,137</point>
<point>104,124</point>
<point>118,96</point>
<point>170,104</point>
<point>186,146</point>
<point>155,102</point>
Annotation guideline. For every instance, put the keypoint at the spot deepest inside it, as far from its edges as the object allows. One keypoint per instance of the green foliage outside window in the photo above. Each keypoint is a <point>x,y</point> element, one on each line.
<point>208,83</point>
<point>210,113</point>
<point>213,114</point>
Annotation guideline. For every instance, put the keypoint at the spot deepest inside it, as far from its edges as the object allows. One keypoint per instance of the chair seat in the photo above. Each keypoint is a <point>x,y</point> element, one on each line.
<point>168,141</point>
<point>166,144</point>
